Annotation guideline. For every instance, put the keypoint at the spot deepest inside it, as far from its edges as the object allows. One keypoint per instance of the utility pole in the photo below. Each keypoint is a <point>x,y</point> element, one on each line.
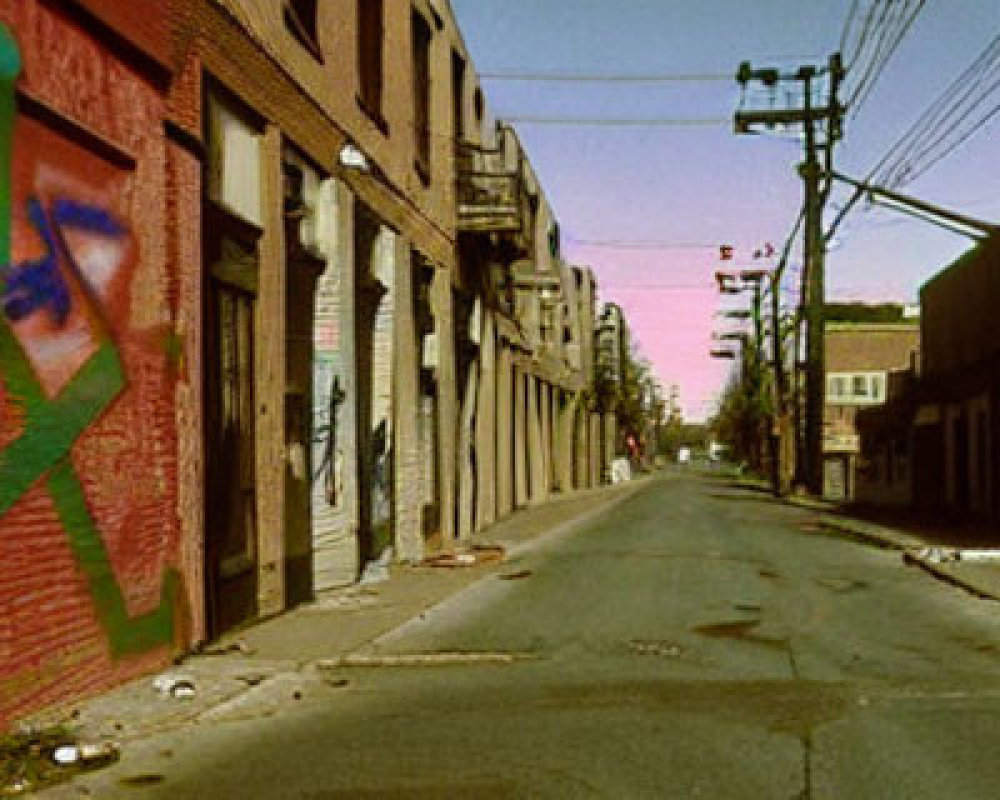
<point>815,196</point>
<point>809,170</point>
<point>784,437</point>
<point>779,426</point>
<point>760,364</point>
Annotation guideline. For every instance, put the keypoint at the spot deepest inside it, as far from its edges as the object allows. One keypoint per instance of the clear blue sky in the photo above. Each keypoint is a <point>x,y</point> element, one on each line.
<point>706,185</point>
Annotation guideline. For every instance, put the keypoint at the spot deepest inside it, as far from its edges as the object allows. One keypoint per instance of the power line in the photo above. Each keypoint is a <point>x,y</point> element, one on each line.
<point>942,117</point>
<point>568,77</point>
<point>866,31</point>
<point>886,48</point>
<point>637,244</point>
<point>945,127</point>
<point>916,173</point>
<point>666,287</point>
<point>875,34</point>
<point>608,122</point>
<point>926,142</point>
<point>851,16</point>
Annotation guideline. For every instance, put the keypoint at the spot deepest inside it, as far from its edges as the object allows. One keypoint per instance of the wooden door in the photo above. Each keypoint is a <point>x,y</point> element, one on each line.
<point>230,439</point>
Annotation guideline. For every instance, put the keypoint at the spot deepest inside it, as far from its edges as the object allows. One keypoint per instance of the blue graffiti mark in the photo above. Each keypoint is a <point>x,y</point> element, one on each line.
<point>68,213</point>
<point>39,284</point>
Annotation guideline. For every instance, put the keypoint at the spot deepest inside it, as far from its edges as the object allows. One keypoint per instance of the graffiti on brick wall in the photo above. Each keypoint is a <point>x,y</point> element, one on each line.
<point>60,366</point>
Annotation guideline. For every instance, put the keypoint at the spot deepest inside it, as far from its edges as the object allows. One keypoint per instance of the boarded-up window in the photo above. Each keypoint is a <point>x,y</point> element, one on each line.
<point>370,46</point>
<point>422,93</point>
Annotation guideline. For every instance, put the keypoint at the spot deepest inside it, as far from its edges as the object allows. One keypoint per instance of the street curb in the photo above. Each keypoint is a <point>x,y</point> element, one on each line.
<point>177,717</point>
<point>889,539</point>
<point>571,525</point>
<point>556,534</point>
<point>950,578</point>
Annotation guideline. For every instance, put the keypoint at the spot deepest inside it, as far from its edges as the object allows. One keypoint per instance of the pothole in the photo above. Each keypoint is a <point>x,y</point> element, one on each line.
<point>658,648</point>
<point>743,631</point>
<point>842,585</point>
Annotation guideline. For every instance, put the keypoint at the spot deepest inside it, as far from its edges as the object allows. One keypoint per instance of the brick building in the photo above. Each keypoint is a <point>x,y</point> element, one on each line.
<point>277,295</point>
<point>859,360</point>
<point>939,423</point>
<point>98,352</point>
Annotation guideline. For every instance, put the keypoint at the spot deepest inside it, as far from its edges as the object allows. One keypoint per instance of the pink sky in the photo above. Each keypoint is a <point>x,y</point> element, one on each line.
<point>670,310</point>
<point>678,185</point>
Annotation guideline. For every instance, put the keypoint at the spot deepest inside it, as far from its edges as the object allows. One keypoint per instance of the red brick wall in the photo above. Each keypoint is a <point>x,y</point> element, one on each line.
<point>92,363</point>
<point>870,347</point>
<point>143,23</point>
<point>959,321</point>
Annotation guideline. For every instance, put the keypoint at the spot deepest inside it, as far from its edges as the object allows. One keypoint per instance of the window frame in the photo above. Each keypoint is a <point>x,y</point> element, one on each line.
<point>305,31</point>
<point>421,40</point>
<point>459,73</point>
<point>370,42</point>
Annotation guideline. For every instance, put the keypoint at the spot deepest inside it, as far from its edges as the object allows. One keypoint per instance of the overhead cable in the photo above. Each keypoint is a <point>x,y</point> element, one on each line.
<point>654,122</point>
<point>888,43</point>
<point>943,118</point>
<point>569,77</point>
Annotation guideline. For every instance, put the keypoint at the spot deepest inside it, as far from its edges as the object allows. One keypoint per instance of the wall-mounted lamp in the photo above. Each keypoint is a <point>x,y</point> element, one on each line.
<point>351,157</point>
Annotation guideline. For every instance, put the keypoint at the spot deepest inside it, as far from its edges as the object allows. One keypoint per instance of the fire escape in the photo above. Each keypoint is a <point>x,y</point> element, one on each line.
<point>496,216</point>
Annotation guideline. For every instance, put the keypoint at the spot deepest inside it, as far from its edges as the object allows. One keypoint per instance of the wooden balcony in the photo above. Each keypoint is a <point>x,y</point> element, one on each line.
<point>491,192</point>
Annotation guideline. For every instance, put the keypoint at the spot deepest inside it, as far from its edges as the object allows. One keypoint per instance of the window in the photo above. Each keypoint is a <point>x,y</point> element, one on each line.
<point>422,94</point>
<point>480,105</point>
<point>370,44</point>
<point>838,387</point>
<point>860,388</point>
<point>300,18</point>
<point>877,387</point>
<point>458,96</point>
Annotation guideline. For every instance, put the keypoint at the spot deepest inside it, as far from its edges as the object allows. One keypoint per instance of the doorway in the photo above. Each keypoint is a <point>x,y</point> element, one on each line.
<point>230,293</point>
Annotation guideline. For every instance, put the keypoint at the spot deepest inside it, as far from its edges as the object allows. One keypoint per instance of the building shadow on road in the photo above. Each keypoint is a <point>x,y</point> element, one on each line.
<point>935,530</point>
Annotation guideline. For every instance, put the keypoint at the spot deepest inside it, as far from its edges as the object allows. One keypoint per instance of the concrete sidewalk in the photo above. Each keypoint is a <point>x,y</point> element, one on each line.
<point>260,669</point>
<point>979,579</point>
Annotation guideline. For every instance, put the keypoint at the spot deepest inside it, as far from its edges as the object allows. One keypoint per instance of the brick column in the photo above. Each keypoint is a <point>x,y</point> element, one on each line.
<point>269,368</point>
<point>565,434</point>
<point>408,482</point>
<point>610,440</point>
<point>581,432</point>
<point>538,485</point>
<point>486,427</point>
<point>595,449</point>
<point>505,425</point>
<point>466,477</point>
<point>444,326</point>
<point>545,412</point>
<point>520,440</point>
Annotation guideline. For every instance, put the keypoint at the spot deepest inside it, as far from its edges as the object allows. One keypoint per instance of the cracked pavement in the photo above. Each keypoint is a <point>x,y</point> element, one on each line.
<point>699,640</point>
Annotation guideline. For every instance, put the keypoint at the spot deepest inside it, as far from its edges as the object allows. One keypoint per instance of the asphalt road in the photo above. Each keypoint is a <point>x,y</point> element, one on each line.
<point>700,641</point>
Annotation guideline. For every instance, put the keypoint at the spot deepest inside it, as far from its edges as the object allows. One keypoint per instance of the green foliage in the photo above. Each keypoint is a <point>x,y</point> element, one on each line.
<point>677,434</point>
<point>744,414</point>
<point>862,312</point>
<point>626,396</point>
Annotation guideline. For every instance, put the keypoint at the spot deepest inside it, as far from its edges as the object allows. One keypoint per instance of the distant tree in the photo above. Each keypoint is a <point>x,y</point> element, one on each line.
<point>676,434</point>
<point>744,414</point>
<point>633,395</point>
<point>863,312</point>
